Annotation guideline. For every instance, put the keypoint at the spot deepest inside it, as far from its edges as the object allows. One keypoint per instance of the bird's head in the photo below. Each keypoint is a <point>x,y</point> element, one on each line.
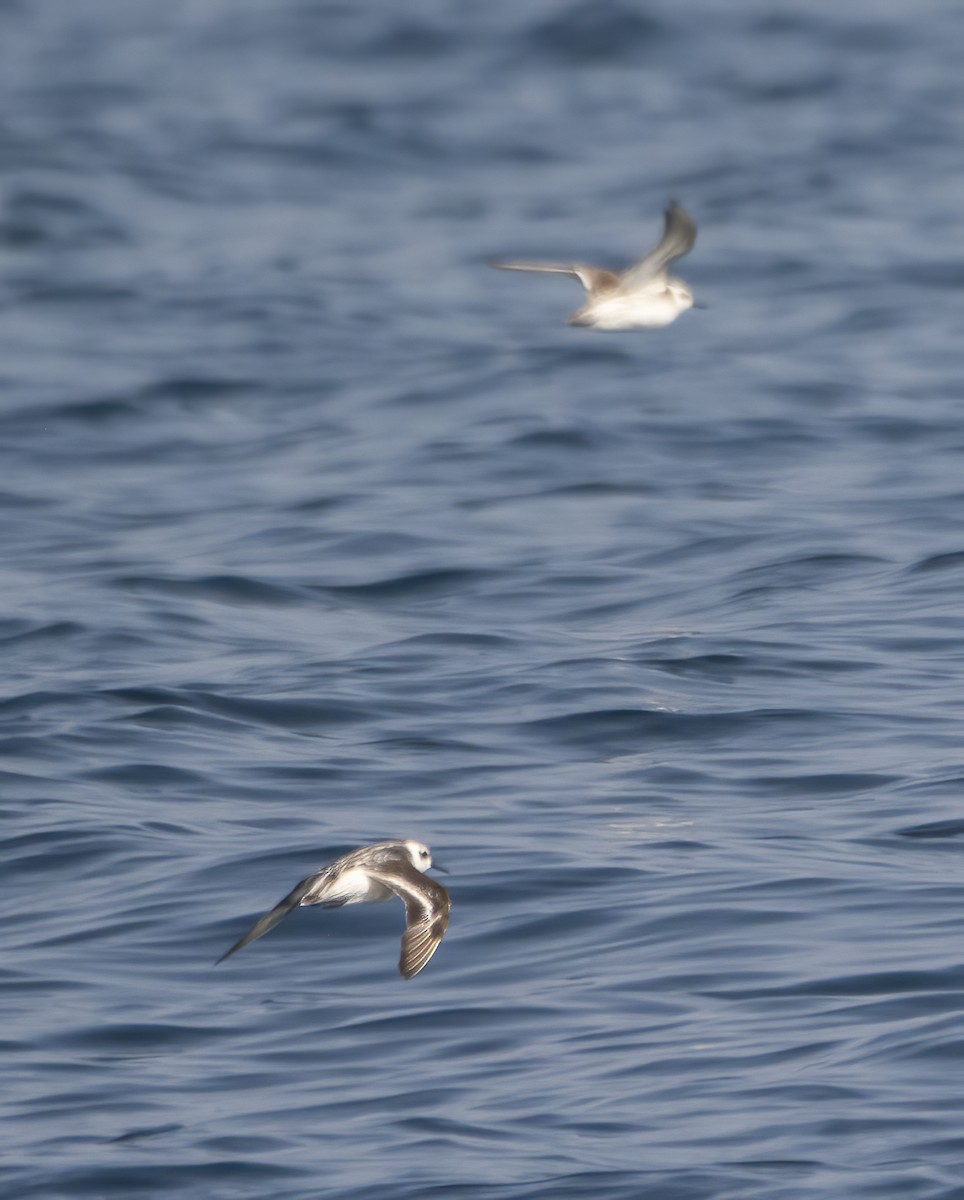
<point>420,855</point>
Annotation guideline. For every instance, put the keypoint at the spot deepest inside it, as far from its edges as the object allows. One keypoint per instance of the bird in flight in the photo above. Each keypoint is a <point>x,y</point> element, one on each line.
<point>645,296</point>
<point>368,874</point>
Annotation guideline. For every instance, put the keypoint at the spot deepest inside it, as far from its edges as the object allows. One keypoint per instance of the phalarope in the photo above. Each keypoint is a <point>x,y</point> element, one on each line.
<point>643,297</point>
<point>368,874</point>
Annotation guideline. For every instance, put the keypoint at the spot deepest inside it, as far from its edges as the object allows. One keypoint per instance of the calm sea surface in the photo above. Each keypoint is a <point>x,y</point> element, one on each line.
<point>314,530</point>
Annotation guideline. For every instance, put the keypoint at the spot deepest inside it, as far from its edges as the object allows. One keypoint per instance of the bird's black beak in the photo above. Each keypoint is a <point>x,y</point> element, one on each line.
<point>700,304</point>
<point>439,867</point>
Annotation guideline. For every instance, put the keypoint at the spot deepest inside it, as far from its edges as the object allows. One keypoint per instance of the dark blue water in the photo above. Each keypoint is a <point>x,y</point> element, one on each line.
<point>314,530</point>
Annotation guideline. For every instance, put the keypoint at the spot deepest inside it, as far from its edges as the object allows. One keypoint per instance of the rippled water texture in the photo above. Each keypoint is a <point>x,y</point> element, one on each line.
<point>315,530</point>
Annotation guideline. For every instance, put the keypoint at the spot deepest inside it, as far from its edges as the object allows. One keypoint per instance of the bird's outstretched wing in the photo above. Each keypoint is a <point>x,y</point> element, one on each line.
<point>427,907</point>
<point>596,280</point>
<point>278,913</point>
<point>679,235</point>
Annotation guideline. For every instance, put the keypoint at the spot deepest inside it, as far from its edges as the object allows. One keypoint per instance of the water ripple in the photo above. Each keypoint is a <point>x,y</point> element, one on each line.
<point>317,530</point>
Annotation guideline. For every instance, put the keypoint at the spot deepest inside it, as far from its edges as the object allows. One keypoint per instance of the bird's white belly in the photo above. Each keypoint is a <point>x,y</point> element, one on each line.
<point>356,887</point>
<point>639,311</point>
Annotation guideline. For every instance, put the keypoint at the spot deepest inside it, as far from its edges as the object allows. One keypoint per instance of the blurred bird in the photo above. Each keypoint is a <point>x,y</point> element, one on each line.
<point>643,297</point>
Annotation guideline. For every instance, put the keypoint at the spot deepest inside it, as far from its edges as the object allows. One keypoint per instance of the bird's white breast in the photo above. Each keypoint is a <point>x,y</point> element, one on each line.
<point>634,310</point>
<point>356,886</point>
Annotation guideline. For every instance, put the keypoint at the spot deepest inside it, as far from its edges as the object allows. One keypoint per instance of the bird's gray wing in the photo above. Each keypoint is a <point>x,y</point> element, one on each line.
<point>427,907</point>
<point>596,280</point>
<point>679,234</point>
<point>295,897</point>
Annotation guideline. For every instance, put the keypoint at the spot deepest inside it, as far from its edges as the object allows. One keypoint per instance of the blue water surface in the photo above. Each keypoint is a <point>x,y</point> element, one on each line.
<point>314,530</point>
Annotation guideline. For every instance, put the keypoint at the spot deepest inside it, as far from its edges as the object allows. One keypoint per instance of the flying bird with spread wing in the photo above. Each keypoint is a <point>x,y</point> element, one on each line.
<point>368,874</point>
<point>645,296</point>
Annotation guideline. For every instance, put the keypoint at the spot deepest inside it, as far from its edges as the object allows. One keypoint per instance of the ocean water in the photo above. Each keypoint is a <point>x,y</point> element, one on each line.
<point>314,530</point>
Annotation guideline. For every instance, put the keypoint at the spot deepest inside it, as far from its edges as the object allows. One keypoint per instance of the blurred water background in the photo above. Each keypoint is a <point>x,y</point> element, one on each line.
<point>314,530</point>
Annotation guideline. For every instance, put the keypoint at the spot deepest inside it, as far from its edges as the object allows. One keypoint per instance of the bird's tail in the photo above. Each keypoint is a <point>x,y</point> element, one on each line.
<point>269,920</point>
